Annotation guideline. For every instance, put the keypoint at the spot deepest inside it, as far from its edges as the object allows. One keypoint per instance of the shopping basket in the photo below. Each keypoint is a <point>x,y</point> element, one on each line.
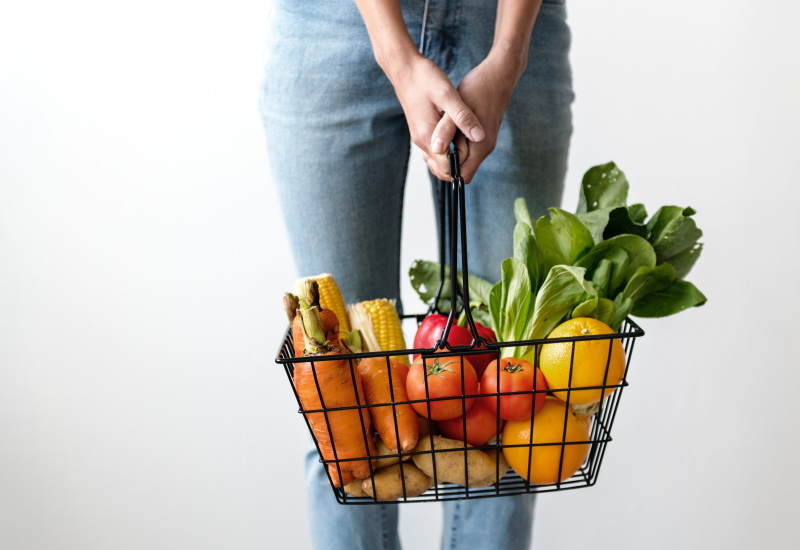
<point>441,461</point>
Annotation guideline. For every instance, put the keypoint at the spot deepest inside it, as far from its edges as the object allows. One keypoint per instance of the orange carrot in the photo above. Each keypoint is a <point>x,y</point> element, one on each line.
<point>375,378</point>
<point>345,435</point>
<point>330,322</point>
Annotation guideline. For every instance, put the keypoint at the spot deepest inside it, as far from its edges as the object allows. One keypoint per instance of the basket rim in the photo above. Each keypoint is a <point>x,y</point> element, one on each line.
<point>282,357</point>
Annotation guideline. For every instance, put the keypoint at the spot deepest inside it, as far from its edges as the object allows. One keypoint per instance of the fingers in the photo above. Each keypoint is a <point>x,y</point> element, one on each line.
<point>439,164</point>
<point>462,117</point>
<point>445,132</point>
<point>456,116</point>
<point>478,153</point>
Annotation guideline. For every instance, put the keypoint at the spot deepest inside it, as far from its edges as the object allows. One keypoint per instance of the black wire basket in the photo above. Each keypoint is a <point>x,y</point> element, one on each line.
<point>458,470</point>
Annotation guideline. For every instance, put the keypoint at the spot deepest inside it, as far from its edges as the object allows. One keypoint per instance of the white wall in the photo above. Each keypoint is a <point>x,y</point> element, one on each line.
<point>143,262</point>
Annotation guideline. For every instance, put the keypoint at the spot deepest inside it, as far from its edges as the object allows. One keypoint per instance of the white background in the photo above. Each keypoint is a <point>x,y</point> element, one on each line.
<point>142,263</point>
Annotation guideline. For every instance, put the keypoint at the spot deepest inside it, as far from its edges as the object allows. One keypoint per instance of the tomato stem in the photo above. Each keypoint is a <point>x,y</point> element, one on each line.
<point>514,368</point>
<point>437,368</point>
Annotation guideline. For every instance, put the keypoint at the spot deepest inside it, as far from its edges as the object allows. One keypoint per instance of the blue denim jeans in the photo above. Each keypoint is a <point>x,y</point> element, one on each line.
<point>338,147</point>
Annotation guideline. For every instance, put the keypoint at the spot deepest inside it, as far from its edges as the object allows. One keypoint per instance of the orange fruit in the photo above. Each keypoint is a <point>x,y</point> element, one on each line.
<point>540,463</point>
<point>592,362</point>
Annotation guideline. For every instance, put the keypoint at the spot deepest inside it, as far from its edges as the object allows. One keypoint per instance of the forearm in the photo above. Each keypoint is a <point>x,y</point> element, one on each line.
<point>512,34</point>
<point>391,42</point>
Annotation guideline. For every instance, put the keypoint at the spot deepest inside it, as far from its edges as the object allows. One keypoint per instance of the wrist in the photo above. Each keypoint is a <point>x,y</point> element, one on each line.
<point>395,56</point>
<point>510,57</point>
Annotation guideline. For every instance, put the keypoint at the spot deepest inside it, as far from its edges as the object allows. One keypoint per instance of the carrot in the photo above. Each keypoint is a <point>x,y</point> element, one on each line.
<point>393,422</point>
<point>291,305</point>
<point>344,437</point>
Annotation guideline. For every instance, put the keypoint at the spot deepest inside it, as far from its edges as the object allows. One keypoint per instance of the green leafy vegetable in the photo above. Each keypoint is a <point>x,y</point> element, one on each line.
<point>681,295</point>
<point>562,238</point>
<point>673,232</point>
<point>598,308</point>
<point>603,186</point>
<point>424,276</point>
<point>606,261</point>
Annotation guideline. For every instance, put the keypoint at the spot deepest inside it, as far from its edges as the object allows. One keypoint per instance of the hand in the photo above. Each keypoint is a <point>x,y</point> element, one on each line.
<point>487,89</point>
<point>428,97</point>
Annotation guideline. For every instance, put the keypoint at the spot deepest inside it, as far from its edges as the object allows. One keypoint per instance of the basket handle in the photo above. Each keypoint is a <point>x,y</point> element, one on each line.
<point>453,231</point>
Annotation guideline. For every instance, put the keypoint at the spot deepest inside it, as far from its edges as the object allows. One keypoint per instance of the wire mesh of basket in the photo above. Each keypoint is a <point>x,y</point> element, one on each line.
<point>436,469</point>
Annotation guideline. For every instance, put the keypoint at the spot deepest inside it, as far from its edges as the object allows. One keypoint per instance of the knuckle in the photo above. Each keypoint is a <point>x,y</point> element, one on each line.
<point>464,117</point>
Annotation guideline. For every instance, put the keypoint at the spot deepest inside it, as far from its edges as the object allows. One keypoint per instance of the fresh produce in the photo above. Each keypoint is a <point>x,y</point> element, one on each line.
<point>534,447</point>
<point>481,425</point>
<point>330,384</point>
<point>292,305</point>
<point>379,325</point>
<point>355,488</point>
<point>515,375</point>
<point>399,480</point>
<point>446,381</point>
<point>606,261</point>
<point>498,473</point>
<point>431,329</point>
<point>386,457</point>
<point>330,297</point>
<point>586,363</point>
<point>447,463</point>
<point>386,385</point>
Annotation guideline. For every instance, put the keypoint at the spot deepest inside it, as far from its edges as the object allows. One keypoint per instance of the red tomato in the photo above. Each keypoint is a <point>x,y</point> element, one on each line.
<point>516,375</point>
<point>443,376</point>
<point>481,425</point>
<point>432,327</point>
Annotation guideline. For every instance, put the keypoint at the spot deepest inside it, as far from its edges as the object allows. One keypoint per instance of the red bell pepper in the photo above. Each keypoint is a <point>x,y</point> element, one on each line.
<point>430,331</point>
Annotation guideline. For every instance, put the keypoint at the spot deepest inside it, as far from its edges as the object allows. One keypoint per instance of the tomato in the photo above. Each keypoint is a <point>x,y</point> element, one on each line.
<point>443,376</point>
<point>430,331</point>
<point>481,425</point>
<point>516,375</point>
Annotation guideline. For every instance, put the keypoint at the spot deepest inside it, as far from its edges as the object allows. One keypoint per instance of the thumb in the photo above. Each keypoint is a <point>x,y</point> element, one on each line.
<point>463,117</point>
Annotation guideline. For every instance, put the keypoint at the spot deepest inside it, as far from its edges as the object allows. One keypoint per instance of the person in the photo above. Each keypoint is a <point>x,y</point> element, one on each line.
<point>348,86</point>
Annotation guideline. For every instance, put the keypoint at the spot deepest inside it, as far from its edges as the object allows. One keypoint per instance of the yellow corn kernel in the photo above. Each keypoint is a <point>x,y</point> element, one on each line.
<point>379,325</point>
<point>329,297</point>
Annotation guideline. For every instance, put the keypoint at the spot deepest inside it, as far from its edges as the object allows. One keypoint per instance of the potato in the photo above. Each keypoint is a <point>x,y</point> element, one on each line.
<point>389,482</point>
<point>480,470</point>
<point>391,457</point>
<point>354,488</point>
<point>493,478</point>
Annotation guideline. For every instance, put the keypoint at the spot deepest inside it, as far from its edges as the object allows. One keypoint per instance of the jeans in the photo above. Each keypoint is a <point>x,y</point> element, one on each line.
<point>338,147</point>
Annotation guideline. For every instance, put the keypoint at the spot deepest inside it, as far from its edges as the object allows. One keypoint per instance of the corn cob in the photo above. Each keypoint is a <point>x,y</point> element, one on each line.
<point>329,297</point>
<point>379,325</point>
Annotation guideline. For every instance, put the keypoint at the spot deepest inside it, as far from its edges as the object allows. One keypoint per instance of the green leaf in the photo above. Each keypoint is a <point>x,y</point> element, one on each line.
<point>521,212</point>
<point>603,273</point>
<point>626,252</point>
<point>626,220</point>
<point>645,280</point>
<point>424,277</point>
<point>598,308</point>
<point>483,317</point>
<point>564,287</point>
<point>562,238</point>
<point>678,297</point>
<point>510,300</point>
<point>527,251</point>
<point>672,231</point>
<point>603,186</point>
<point>684,261</point>
<point>596,222</point>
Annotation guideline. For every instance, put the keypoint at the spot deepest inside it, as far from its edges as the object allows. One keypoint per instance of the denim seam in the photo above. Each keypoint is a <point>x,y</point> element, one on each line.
<point>384,527</point>
<point>454,529</point>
